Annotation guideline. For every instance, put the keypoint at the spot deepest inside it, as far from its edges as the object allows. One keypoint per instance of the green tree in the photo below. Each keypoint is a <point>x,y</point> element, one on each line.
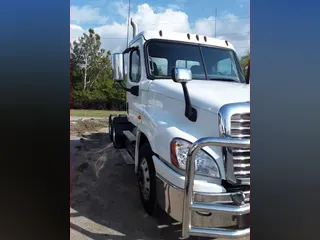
<point>91,76</point>
<point>90,62</point>
<point>244,61</point>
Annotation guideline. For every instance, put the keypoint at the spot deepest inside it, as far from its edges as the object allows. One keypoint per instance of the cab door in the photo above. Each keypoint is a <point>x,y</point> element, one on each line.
<point>134,75</point>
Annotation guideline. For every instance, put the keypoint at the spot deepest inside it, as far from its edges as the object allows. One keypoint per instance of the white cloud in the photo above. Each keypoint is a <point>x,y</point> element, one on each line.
<point>229,26</point>
<point>168,20</point>
<point>122,9</point>
<point>113,36</point>
<point>76,32</point>
<point>205,26</point>
<point>75,27</point>
<point>86,14</point>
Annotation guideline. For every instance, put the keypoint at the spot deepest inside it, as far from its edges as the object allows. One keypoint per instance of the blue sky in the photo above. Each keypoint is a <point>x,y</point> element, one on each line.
<point>108,18</point>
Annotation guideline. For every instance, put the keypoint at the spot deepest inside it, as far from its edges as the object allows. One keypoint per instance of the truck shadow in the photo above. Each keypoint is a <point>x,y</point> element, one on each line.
<point>105,201</point>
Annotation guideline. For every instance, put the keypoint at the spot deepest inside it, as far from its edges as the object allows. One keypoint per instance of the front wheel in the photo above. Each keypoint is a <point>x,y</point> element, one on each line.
<point>147,180</point>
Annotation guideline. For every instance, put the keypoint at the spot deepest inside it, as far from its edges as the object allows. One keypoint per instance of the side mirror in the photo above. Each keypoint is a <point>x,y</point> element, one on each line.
<point>118,67</point>
<point>181,75</point>
<point>184,75</point>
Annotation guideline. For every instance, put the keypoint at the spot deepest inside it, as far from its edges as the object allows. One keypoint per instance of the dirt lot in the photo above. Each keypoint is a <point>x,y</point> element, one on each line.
<point>105,202</point>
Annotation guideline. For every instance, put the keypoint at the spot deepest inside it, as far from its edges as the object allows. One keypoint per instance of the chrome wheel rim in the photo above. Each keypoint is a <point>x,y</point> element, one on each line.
<point>144,179</point>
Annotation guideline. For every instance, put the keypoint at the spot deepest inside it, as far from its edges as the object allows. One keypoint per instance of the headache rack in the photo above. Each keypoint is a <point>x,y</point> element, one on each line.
<point>189,205</point>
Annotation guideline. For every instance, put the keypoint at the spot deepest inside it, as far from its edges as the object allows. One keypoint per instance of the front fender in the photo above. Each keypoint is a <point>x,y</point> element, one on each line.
<point>160,128</point>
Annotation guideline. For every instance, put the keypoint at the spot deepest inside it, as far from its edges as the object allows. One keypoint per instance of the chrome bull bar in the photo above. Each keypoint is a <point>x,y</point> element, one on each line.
<point>188,202</point>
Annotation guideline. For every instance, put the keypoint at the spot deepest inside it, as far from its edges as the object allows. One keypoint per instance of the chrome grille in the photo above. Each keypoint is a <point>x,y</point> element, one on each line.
<point>240,128</point>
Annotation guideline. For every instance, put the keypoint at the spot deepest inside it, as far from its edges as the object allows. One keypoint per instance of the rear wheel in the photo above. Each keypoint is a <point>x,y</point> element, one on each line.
<point>119,124</point>
<point>117,138</point>
<point>110,126</point>
<point>147,180</point>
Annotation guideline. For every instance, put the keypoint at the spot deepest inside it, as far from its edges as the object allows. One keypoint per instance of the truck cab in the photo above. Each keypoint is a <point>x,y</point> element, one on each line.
<point>187,129</point>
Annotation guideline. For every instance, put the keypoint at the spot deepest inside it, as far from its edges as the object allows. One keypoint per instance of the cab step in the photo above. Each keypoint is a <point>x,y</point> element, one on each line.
<point>126,157</point>
<point>130,136</point>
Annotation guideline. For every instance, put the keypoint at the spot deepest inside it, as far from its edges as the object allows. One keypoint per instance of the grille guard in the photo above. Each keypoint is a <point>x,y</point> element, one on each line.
<point>188,202</point>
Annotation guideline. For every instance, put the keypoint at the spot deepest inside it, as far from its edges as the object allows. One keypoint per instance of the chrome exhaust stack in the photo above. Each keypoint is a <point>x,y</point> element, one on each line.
<point>134,28</point>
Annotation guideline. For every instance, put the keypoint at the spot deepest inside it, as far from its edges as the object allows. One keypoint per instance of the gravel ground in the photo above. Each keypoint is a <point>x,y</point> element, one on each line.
<point>105,202</point>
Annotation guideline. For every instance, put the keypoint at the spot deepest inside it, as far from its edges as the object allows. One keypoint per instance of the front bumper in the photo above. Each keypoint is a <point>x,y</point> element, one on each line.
<point>216,215</point>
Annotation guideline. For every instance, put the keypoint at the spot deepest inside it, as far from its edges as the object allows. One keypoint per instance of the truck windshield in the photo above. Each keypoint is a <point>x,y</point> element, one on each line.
<point>205,63</point>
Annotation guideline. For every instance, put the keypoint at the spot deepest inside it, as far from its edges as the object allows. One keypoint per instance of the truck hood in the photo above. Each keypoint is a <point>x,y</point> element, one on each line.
<point>207,95</point>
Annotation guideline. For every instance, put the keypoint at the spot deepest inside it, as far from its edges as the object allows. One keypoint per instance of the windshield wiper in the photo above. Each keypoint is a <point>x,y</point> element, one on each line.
<point>224,79</point>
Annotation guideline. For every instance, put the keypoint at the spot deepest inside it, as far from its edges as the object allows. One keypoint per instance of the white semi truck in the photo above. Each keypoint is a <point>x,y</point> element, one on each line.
<point>187,129</point>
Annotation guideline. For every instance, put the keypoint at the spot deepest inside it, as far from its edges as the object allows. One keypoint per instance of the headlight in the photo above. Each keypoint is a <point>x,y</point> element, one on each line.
<point>204,163</point>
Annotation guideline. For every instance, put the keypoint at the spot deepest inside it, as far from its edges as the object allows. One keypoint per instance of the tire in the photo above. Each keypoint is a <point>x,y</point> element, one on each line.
<point>117,137</point>
<point>111,125</point>
<point>147,189</point>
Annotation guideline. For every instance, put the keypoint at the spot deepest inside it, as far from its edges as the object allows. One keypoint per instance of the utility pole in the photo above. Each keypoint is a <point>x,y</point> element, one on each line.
<point>128,24</point>
<point>215,24</point>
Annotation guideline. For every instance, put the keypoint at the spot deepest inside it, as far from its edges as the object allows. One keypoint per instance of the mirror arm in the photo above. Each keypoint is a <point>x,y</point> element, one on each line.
<point>190,112</point>
<point>123,87</point>
<point>133,90</point>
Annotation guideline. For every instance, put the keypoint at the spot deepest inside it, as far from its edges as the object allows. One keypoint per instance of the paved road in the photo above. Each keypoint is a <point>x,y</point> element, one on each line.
<point>105,199</point>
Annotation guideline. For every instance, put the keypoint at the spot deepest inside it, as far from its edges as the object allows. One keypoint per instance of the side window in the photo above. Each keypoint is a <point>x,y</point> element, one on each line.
<point>225,66</point>
<point>158,66</point>
<point>126,57</point>
<point>135,67</point>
